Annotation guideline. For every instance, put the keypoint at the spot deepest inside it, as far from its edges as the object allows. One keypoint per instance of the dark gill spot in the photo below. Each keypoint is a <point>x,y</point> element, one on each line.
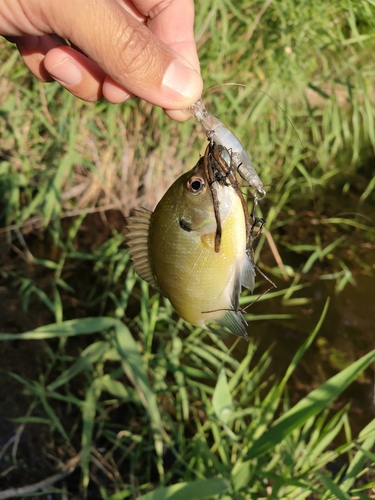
<point>184,225</point>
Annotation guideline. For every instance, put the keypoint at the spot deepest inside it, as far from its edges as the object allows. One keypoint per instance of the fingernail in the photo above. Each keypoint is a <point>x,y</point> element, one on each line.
<point>66,73</point>
<point>181,81</point>
<point>114,93</point>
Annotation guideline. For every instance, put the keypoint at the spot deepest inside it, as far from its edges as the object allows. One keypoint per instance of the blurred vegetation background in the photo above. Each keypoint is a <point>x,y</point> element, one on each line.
<point>136,403</point>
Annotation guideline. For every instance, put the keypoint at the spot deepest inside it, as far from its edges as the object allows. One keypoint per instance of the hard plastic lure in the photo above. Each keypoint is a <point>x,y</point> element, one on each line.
<point>218,133</point>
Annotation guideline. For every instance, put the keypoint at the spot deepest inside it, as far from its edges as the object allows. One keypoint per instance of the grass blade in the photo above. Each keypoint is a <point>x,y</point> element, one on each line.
<point>66,329</point>
<point>88,416</point>
<point>222,400</point>
<point>356,465</point>
<point>135,369</point>
<point>86,360</point>
<point>195,490</point>
<point>309,406</point>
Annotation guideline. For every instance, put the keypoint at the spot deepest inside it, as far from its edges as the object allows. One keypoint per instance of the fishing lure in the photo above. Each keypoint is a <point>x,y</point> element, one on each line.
<point>218,133</point>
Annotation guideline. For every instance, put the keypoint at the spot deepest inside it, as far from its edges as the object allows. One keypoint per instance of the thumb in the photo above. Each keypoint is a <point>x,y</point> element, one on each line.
<point>126,50</point>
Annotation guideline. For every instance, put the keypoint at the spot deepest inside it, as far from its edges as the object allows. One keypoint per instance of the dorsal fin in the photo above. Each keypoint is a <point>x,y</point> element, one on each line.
<point>137,239</point>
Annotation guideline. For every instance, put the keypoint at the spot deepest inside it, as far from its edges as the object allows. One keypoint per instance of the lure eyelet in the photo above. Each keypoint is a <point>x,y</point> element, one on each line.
<point>196,184</point>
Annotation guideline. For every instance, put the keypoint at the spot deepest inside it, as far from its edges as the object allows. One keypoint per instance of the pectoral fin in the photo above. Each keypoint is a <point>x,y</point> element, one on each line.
<point>247,272</point>
<point>233,319</point>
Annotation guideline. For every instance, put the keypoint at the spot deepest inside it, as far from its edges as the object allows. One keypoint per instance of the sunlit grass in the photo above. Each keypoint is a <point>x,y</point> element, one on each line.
<point>157,407</point>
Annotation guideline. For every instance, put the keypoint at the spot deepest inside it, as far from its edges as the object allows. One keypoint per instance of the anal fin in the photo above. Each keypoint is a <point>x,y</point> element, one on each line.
<point>233,321</point>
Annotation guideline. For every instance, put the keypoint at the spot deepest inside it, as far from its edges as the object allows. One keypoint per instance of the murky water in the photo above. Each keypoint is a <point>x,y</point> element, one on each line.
<point>347,333</point>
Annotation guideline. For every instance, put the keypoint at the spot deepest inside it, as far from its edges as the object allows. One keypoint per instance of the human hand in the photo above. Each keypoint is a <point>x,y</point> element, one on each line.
<point>119,48</point>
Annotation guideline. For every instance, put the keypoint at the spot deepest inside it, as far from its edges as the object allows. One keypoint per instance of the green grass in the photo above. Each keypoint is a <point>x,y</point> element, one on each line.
<point>240,446</point>
<point>145,405</point>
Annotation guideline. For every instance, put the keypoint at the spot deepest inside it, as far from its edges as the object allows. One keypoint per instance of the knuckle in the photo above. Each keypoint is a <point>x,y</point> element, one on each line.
<point>137,54</point>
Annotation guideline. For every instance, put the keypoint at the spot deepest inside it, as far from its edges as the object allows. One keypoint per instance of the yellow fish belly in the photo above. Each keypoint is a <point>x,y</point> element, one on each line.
<point>194,248</point>
<point>198,281</point>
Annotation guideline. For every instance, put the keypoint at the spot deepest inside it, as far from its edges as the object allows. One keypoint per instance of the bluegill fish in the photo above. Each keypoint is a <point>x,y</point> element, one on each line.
<point>195,247</point>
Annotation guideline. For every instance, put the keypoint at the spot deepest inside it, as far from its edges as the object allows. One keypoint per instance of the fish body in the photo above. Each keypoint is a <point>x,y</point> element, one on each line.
<point>196,256</point>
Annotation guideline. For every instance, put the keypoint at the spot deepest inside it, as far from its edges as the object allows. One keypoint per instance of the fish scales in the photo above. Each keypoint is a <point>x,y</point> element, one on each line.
<point>194,247</point>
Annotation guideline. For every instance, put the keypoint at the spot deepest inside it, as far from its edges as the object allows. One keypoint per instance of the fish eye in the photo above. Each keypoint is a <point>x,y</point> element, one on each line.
<point>195,184</point>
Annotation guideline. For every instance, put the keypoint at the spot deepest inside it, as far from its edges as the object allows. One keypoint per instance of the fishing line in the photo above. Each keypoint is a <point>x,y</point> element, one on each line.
<point>273,286</point>
<point>233,84</point>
